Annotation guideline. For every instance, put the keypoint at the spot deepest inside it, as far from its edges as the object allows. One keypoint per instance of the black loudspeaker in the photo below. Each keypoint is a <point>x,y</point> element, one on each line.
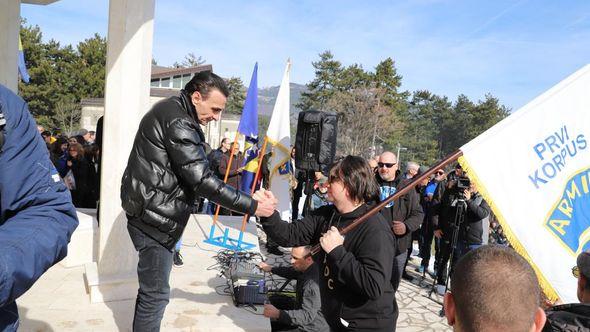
<point>315,143</point>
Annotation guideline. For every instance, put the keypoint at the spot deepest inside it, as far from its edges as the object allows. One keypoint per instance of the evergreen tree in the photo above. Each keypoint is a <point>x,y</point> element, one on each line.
<point>60,75</point>
<point>325,84</point>
<point>237,95</point>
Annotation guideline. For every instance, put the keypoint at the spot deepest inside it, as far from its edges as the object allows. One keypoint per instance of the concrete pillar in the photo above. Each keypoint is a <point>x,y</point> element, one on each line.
<point>129,54</point>
<point>9,30</point>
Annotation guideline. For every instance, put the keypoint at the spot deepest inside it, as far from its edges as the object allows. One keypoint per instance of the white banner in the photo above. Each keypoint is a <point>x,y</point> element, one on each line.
<point>279,135</point>
<point>534,170</point>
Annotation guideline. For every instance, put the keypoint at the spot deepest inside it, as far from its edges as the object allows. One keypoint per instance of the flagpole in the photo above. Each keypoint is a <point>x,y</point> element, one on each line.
<point>410,186</point>
<point>231,157</point>
<point>258,170</point>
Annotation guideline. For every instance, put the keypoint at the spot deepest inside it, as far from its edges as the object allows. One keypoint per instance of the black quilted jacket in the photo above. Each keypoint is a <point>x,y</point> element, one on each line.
<point>168,169</point>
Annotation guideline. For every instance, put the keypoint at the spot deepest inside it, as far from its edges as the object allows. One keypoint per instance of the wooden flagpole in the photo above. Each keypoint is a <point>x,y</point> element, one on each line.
<point>231,157</point>
<point>410,186</point>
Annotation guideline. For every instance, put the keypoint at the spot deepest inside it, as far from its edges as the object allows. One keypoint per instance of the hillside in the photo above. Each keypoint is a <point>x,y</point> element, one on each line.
<point>267,97</point>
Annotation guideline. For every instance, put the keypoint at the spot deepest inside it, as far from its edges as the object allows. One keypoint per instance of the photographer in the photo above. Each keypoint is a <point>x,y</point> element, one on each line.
<point>461,204</point>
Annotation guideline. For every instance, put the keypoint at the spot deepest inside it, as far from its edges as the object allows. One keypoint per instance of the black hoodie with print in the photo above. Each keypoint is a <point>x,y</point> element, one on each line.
<point>355,278</point>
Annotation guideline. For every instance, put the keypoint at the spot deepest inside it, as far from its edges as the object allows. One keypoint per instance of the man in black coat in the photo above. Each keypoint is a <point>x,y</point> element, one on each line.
<point>404,214</point>
<point>470,233</point>
<point>167,171</point>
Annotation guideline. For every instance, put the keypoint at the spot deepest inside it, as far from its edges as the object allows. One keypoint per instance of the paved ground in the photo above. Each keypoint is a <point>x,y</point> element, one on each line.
<point>59,300</point>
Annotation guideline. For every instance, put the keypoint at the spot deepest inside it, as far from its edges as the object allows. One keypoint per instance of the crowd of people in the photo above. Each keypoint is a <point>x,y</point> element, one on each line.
<point>77,160</point>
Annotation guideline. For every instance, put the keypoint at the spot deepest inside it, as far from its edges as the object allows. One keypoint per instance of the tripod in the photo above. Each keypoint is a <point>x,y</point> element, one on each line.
<point>461,207</point>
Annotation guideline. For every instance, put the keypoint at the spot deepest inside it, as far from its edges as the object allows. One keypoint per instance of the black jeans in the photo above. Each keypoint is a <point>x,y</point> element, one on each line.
<point>153,272</point>
<point>399,262</point>
<point>426,246</point>
<point>297,192</point>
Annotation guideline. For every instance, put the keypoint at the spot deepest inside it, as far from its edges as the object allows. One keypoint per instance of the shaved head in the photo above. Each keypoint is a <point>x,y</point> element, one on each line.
<point>494,289</point>
<point>387,166</point>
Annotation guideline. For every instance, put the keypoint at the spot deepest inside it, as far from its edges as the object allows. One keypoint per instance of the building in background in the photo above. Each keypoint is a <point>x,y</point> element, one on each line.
<point>167,82</point>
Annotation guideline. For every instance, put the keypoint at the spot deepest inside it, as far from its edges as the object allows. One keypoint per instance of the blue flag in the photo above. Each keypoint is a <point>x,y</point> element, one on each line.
<point>22,67</point>
<point>249,127</point>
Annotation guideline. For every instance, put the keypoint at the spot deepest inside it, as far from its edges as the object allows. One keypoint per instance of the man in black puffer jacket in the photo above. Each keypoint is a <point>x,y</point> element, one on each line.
<point>166,172</point>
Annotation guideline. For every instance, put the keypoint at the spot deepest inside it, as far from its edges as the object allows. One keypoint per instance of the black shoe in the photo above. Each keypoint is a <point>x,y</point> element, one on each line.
<point>407,277</point>
<point>275,251</point>
<point>177,259</point>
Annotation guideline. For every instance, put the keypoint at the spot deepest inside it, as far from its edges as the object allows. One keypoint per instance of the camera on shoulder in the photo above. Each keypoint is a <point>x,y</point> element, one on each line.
<point>463,183</point>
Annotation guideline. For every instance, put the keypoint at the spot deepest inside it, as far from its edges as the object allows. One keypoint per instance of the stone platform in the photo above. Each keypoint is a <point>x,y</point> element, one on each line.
<point>59,301</point>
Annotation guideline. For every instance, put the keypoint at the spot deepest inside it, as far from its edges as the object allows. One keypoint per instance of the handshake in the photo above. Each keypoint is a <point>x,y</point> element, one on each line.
<point>267,203</point>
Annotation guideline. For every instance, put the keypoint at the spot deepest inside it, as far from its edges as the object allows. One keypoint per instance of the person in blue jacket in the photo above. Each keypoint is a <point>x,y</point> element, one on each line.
<point>37,217</point>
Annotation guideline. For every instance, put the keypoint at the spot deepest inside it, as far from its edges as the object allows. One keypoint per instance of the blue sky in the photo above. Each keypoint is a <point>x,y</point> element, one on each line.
<point>514,50</point>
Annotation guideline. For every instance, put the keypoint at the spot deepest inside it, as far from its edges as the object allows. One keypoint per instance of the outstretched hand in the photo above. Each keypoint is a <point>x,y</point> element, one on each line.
<point>267,202</point>
<point>264,267</point>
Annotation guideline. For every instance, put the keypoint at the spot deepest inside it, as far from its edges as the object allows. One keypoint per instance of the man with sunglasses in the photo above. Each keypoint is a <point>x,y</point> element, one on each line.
<point>574,316</point>
<point>404,214</point>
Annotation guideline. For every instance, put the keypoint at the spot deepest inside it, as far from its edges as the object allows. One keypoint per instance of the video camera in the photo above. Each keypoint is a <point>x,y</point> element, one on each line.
<point>458,188</point>
<point>463,183</point>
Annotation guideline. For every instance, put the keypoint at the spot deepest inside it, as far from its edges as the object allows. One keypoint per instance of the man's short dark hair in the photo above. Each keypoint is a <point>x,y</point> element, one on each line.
<point>583,264</point>
<point>357,177</point>
<point>204,82</point>
<point>494,288</point>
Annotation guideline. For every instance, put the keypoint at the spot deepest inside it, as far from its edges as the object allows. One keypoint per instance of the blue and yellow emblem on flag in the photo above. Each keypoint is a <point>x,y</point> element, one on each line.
<point>250,163</point>
<point>569,220</point>
<point>285,168</point>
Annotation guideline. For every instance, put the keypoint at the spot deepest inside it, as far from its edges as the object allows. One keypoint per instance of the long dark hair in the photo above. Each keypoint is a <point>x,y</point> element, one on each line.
<point>357,177</point>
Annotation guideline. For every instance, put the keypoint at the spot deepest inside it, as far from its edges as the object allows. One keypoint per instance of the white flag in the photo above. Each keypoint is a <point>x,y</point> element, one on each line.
<point>534,170</point>
<point>279,135</point>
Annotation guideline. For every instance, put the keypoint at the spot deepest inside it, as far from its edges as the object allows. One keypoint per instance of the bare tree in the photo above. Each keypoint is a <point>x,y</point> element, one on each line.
<point>363,120</point>
<point>67,116</point>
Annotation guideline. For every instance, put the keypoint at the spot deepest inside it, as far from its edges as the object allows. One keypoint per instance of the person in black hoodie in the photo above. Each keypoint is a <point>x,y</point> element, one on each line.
<point>356,270</point>
<point>404,214</point>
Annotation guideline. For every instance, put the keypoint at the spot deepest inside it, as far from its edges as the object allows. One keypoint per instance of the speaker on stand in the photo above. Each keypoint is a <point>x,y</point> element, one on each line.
<point>315,147</point>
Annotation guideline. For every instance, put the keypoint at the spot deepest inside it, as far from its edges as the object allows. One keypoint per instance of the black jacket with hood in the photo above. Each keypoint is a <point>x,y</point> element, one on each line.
<point>355,278</point>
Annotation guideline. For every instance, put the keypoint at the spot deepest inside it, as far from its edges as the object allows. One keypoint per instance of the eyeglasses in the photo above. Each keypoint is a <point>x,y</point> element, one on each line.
<point>388,165</point>
<point>440,173</point>
<point>576,271</point>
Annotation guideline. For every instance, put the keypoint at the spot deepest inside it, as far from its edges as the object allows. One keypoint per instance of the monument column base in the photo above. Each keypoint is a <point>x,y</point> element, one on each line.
<point>109,288</point>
